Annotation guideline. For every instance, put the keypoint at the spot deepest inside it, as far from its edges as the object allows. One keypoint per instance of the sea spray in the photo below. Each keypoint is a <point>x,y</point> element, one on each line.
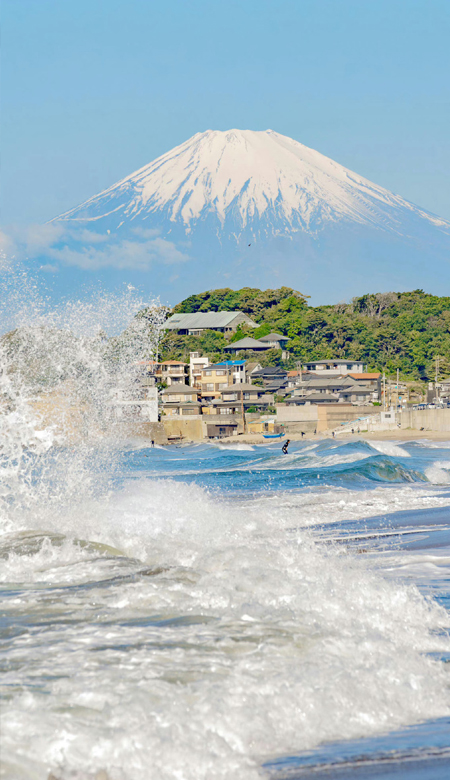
<point>154,628</point>
<point>59,375</point>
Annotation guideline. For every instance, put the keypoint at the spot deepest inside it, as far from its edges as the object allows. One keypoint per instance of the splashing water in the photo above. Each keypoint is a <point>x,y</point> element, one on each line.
<point>59,372</point>
<point>192,613</point>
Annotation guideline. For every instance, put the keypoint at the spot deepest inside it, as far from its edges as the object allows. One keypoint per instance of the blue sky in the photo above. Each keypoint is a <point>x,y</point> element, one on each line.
<point>94,89</point>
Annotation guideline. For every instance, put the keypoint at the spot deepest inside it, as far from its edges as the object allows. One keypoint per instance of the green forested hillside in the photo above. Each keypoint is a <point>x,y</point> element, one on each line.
<point>388,330</point>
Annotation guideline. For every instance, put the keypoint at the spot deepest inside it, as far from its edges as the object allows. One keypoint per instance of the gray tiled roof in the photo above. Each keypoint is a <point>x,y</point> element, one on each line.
<point>241,386</point>
<point>270,371</point>
<point>274,337</point>
<point>178,388</point>
<point>204,319</point>
<point>246,343</point>
<point>313,397</point>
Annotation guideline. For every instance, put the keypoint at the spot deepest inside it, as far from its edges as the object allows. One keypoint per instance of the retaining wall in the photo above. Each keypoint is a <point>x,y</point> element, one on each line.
<point>428,419</point>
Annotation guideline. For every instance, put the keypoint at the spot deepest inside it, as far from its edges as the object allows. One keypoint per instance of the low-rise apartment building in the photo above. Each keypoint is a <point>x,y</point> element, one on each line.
<point>217,377</point>
<point>335,367</point>
<point>248,344</point>
<point>169,372</point>
<point>197,363</point>
<point>181,400</point>
<point>238,398</point>
<point>172,372</point>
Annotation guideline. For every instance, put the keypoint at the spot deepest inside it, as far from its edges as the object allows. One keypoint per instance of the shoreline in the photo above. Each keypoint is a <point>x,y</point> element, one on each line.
<point>399,434</point>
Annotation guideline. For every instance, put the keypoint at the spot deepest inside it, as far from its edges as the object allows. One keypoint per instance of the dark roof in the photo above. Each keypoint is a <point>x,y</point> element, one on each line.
<point>274,337</point>
<point>187,404</point>
<point>333,362</point>
<point>241,386</point>
<point>246,343</point>
<point>314,397</point>
<point>277,384</point>
<point>270,371</point>
<point>179,387</point>
<point>330,381</point>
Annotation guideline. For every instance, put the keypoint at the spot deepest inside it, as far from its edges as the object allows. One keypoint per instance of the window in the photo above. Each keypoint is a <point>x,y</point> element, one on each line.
<point>210,388</point>
<point>208,373</point>
<point>222,385</point>
<point>219,372</point>
<point>246,396</point>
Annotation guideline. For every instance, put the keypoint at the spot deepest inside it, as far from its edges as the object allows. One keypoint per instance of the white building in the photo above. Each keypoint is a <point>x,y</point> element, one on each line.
<point>197,364</point>
<point>335,367</point>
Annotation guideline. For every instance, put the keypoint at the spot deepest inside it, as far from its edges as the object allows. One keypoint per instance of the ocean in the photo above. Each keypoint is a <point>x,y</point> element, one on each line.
<point>209,611</point>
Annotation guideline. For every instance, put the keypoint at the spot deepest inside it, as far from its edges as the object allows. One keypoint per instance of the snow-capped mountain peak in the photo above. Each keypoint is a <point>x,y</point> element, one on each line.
<point>259,180</point>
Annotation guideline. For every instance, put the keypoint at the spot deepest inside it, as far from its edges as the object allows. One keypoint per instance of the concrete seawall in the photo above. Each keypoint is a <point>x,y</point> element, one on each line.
<point>428,419</point>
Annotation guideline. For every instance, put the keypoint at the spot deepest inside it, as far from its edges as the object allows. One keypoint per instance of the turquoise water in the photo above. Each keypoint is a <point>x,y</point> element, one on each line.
<point>224,611</point>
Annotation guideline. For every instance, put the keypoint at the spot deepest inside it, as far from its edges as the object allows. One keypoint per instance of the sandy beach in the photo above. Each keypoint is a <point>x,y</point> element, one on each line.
<point>399,434</point>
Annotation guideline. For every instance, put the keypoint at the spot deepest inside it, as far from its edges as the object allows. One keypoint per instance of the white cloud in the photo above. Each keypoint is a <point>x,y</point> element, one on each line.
<point>145,232</point>
<point>124,254</point>
<point>88,236</point>
<point>89,250</point>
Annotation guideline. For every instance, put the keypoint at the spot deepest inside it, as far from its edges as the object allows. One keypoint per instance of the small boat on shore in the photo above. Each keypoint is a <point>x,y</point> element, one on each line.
<point>273,435</point>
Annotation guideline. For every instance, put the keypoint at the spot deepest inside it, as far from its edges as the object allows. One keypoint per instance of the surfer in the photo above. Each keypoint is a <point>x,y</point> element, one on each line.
<point>285,446</point>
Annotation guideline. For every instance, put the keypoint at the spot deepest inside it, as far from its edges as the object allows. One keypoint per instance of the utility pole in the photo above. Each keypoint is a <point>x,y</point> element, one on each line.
<point>397,386</point>
<point>384,391</point>
<point>437,359</point>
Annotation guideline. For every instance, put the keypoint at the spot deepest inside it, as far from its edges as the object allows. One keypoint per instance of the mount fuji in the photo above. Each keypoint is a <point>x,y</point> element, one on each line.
<point>254,208</point>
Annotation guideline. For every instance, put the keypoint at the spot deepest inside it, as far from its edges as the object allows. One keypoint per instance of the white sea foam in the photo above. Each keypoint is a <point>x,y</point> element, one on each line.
<point>235,447</point>
<point>389,448</point>
<point>155,631</point>
<point>280,642</point>
<point>439,472</point>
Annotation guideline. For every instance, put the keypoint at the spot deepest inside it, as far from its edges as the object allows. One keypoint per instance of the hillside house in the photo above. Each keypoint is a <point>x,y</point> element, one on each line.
<point>172,372</point>
<point>271,341</point>
<point>247,344</point>
<point>245,396</point>
<point>217,377</point>
<point>275,340</point>
<point>313,398</point>
<point>180,400</point>
<point>372,380</point>
<point>237,399</point>
<point>269,374</point>
<point>344,389</point>
<point>225,322</point>
<point>335,367</point>
<point>197,363</point>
